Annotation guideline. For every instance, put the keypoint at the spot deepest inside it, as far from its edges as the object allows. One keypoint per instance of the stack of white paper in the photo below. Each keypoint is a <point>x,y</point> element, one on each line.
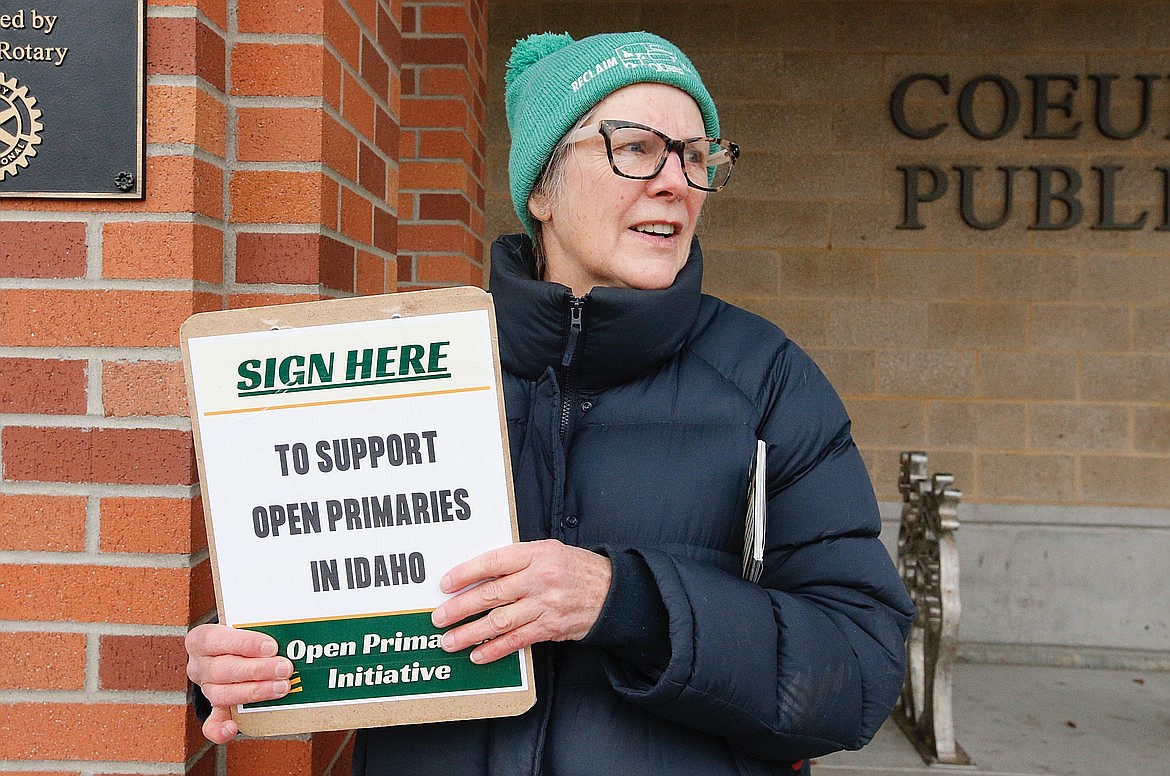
<point>756,519</point>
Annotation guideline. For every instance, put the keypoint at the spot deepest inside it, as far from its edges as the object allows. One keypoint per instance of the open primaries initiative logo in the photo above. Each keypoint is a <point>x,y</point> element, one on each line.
<point>20,126</point>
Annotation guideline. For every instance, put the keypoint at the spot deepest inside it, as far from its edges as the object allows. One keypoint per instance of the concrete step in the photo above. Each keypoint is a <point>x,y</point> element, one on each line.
<point>1037,721</point>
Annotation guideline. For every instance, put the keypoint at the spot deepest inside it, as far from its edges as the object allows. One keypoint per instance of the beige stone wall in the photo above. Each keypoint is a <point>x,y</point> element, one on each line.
<point>1033,363</point>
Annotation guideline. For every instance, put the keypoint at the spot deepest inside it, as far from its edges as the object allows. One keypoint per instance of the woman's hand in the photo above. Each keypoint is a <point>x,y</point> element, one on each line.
<point>531,591</point>
<point>231,667</point>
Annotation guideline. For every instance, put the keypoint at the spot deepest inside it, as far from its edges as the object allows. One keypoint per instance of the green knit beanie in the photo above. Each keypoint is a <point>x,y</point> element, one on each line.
<point>553,80</point>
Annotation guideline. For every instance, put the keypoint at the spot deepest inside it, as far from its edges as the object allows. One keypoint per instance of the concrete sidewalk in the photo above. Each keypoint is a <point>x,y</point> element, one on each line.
<point>1038,720</point>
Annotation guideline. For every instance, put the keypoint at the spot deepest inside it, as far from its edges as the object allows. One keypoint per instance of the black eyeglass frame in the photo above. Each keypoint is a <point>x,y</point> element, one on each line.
<point>607,126</point>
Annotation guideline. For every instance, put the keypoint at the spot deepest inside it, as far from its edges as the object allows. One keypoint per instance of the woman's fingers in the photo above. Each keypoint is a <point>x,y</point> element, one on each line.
<point>222,655</point>
<point>481,598</point>
<point>214,639</point>
<point>229,669</point>
<point>506,644</point>
<point>219,728</point>
<point>233,667</point>
<point>498,562</point>
<point>531,591</point>
<point>498,621</point>
<point>244,692</point>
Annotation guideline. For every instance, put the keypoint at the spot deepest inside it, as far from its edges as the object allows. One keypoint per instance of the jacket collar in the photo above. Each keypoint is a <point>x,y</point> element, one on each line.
<point>626,332</point>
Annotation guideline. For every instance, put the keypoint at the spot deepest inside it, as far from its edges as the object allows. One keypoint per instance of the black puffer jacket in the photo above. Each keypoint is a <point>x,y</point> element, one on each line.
<point>633,417</point>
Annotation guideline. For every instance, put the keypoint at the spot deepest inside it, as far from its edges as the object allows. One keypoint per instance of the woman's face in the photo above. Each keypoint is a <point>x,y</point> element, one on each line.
<point>601,229</point>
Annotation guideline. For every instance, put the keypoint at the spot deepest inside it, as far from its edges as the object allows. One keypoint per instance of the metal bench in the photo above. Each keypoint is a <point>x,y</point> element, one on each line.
<point>928,561</point>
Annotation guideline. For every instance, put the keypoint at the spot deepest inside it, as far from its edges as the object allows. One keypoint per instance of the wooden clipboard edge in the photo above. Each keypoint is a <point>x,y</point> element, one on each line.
<point>400,711</point>
<point>281,722</point>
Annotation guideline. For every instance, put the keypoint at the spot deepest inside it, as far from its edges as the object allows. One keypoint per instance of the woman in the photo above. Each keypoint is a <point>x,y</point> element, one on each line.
<point>634,404</point>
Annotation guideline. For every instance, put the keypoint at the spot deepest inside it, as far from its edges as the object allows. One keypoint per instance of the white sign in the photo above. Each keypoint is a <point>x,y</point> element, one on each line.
<point>346,467</point>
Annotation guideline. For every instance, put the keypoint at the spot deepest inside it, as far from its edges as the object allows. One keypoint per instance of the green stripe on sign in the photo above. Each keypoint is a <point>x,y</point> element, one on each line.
<point>378,658</point>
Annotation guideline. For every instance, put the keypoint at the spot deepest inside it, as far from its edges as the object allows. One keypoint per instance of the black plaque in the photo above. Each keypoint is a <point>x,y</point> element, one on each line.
<point>71,98</point>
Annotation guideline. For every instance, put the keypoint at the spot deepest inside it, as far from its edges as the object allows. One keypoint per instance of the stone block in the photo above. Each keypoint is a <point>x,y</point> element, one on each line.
<point>1080,327</point>
<point>835,175</point>
<point>933,275</point>
<point>852,372</point>
<point>1115,277</point>
<point>1026,276</point>
<point>978,325</point>
<point>873,224</point>
<point>762,223</point>
<point>841,76</point>
<point>1029,583</point>
<point>799,25</point>
<point>581,19</point>
<point>1152,328</point>
<point>1125,377</point>
<point>900,323</point>
<point>740,272</point>
<point>833,273</point>
<point>982,425</point>
<point>1027,375</point>
<point>1079,427</point>
<point>889,27</point>
<point>927,373</point>
<point>996,26</point>
<point>1094,27</point>
<point>737,75</point>
<point>1126,480</point>
<point>1028,478</point>
<point>766,125</point>
<point>1151,429</point>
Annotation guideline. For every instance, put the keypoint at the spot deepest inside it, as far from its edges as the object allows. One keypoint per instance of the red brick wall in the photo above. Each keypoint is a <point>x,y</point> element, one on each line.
<point>441,196</point>
<point>273,175</point>
<point>103,561</point>
<point>314,89</point>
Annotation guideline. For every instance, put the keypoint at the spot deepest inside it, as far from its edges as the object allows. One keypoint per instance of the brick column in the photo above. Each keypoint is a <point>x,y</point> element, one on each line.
<point>272,144</point>
<point>103,561</point>
<point>441,198</point>
<point>314,99</point>
<point>273,175</point>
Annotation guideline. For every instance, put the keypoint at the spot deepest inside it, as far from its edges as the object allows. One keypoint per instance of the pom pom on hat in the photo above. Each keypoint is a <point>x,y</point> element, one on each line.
<point>528,51</point>
<point>551,81</point>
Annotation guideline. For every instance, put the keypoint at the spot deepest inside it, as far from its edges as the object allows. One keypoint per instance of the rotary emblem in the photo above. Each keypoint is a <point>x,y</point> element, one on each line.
<point>20,126</point>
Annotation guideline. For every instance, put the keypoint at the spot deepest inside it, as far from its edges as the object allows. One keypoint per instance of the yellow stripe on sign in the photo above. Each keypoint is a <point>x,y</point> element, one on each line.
<point>302,405</point>
<point>328,619</point>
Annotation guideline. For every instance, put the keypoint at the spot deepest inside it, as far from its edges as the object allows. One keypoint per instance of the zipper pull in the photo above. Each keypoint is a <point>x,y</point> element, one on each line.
<point>576,322</point>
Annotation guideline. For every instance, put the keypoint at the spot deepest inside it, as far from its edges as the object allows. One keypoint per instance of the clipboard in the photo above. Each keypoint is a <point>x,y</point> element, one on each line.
<point>350,451</point>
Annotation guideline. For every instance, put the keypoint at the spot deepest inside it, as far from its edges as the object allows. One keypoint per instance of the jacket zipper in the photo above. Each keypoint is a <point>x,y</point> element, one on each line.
<point>568,372</point>
<point>567,375</point>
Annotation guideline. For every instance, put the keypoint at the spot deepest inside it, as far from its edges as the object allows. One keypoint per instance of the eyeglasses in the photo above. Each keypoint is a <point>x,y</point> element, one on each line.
<point>640,152</point>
